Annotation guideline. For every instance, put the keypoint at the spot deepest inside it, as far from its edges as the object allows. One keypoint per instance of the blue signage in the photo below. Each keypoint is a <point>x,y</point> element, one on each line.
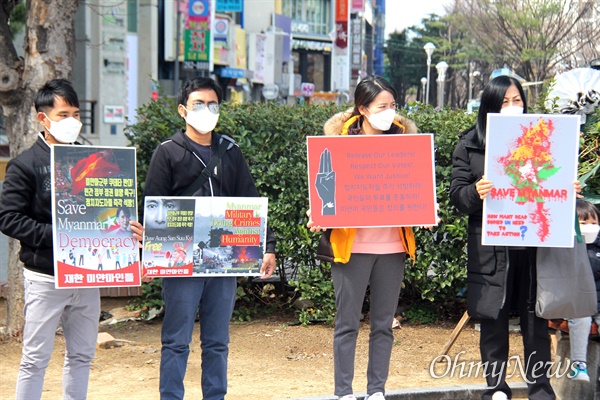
<point>233,72</point>
<point>229,5</point>
<point>198,8</point>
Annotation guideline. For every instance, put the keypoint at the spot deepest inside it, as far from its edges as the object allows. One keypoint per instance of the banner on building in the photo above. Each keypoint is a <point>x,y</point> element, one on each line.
<point>532,162</point>
<point>371,180</point>
<point>197,45</point>
<point>204,236</point>
<point>356,49</point>
<point>93,199</point>
<point>259,42</point>
<point>341,24</point>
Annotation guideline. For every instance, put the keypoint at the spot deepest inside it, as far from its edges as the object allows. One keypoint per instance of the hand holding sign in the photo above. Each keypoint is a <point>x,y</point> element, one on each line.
<point>325,183</point>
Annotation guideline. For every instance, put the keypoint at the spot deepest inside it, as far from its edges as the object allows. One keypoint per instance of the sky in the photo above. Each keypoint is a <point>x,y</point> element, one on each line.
<point>400,14</point>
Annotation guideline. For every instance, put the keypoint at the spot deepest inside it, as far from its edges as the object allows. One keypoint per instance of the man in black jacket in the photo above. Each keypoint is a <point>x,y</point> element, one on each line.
<point>25,214</point>
<point>174,169</point>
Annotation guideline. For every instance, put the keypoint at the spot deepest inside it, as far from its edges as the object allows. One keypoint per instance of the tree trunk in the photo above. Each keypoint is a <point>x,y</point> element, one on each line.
<point>49,51</point>
<point>14,303</point>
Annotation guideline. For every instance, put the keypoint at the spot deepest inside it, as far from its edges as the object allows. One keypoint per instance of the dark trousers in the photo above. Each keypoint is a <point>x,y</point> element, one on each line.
<point>182,296</point>
<point>383,273</point>
<point>521,289</point>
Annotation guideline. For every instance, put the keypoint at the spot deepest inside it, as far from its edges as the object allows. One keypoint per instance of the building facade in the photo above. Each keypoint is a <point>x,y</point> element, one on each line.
<point>287,50</point>
<point>272,49</point>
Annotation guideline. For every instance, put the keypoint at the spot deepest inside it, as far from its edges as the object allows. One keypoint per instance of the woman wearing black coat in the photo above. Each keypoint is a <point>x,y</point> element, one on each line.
<point>500,279</point>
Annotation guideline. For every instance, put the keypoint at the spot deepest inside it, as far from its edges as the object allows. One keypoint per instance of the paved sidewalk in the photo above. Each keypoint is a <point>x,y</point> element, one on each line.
<point>455,392</point>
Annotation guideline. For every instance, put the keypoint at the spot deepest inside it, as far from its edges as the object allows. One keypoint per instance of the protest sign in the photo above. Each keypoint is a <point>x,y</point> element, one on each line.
<point>93,199</point>
<point>371,180</point>
<point>204,236</point>
<point>532,162</point>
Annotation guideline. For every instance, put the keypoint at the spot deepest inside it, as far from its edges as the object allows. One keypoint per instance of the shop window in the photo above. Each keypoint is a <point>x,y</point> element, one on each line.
<point>315,14</point>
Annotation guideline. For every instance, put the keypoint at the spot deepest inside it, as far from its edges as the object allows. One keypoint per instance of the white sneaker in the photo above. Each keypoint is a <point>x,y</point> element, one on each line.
<point>579,372</point>
<point>375,396</point>
<point>499,396</point>
<point>347,397</point>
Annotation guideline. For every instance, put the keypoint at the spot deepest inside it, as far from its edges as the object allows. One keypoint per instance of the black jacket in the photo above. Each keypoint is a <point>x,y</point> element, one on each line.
<point>593,250</point>
<point>174,167</point>
<point>26,206</point>
<point>487,266</point>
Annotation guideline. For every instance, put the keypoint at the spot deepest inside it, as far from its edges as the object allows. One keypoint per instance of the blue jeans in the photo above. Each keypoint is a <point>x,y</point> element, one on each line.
<point>182,296</point>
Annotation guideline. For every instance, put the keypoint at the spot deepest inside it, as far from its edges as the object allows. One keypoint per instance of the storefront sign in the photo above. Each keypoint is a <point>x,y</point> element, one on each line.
<point>197,45</point>
<point>311,45</point>
<point>233,73</point>
<point>230,5</point>
<point>358,5</point>
<point>114,114</point>
<point>198,10</point>
<point>307,89</point>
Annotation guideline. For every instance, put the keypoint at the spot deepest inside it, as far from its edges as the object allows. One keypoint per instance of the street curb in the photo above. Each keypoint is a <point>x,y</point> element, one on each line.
<point>455,392</point>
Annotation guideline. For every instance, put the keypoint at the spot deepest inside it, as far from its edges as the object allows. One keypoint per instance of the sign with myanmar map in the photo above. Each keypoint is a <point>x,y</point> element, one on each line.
<point>532,162</point>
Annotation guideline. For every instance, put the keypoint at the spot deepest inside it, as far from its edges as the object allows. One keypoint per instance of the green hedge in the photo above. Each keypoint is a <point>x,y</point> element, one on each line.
<point>273,140</point>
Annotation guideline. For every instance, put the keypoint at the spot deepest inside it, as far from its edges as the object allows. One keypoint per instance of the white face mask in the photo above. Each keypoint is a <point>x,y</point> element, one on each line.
<point>382,120</point>
<point>203,121</point>
<point>589,232</point>
<point>512,110</point>
<point>66,130</point>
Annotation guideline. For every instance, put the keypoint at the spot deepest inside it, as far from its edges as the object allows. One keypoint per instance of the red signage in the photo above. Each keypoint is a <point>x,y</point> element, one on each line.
<point>358,5</point>
<point>341,11</point>
<point>341,34</point>
<point>371,180</point>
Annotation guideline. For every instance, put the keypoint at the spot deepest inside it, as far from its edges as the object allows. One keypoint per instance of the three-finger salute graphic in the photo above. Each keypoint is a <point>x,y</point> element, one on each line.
<point>325,183</point>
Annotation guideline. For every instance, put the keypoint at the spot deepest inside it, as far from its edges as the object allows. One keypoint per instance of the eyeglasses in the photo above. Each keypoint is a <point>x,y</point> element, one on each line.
<point>212,107</point>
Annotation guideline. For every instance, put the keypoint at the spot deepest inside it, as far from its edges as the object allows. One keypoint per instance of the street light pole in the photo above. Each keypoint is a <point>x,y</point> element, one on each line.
<point>473,75</point>
<point>441,67</point>
<point>429,48</point>
<point>423,84</point>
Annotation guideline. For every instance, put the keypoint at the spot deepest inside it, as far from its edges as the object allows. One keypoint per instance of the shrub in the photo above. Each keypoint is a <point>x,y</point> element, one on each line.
<point>439,272</point>
<point>421,314</point>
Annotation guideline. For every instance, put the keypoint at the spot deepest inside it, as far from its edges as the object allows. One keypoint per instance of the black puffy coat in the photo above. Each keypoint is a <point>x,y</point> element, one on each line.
<point>26,206</point>
<point>487,266</point>
<point>593,250</point>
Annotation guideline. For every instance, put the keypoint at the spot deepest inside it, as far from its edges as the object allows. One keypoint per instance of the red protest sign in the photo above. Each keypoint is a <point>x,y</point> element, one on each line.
<point>371,180</point>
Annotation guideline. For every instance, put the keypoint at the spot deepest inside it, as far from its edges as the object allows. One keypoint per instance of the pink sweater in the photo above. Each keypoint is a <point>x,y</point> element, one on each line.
<point>377,241</point>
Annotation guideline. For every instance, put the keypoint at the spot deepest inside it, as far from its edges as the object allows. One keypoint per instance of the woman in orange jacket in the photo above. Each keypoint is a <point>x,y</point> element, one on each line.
<point>364,257</point>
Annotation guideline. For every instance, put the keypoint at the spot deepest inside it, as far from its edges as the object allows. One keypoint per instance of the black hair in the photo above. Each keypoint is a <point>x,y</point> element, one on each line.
<point>368,89</point>
<point>192,85</point>
<point>586,210</point>
<point>491,102</point>
<point>44,98</point>
<point>125,210</point>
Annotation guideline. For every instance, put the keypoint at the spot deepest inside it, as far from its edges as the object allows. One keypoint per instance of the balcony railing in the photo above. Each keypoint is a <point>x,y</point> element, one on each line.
<point>87,112</point>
